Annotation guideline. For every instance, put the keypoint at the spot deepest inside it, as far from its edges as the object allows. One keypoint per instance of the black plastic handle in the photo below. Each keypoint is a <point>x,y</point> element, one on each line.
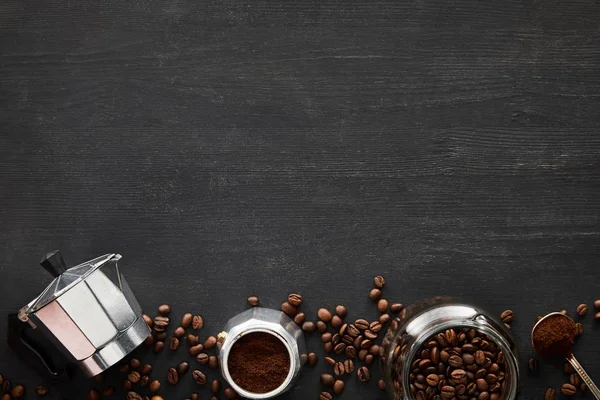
<point>21,341</point>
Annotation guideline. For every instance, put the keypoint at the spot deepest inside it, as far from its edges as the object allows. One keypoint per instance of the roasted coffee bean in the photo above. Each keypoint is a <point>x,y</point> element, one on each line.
<point>195,350</point>
<point>582,309</point>
<point>18,391</point>
<point>433,380</point>
<point>213,362</point>
<point>597,304</point>
<point>507,316</point>
<point>148,320</point>
<point>365,344</point>
<point>199,377</point>
<point>215,386</point>
<point>321,326</point>
<point>328,347</point>
<point>350,341</point>
<point>533,364</point>
<point>149,341</point>
<point>382,305</point>
<point>312,359</point>
<point>351,352</point>
<point>568,390</point>
<point>144,380</point>
<point>348,366</point>
<point>338,387</point>
<point>338,369</point>
<point>327,379</point>
<point>210,342</point>
<point>162,336</point>
<point>483,396</point>
<point>161,323</point>
<point>183,368</point>
<point>482,384</point>
<point>325,396</point>
<point>396,307</point>
<point>134,377</point>
<point>164,309</point>
<point>370,334</point>
<point>159,346</point>
<point>448,392</point>
<point>309,327</point>
<point>564,312</point>
<point>154,386</point>
<point>330,361</point>
<point>451,337</point>
<point>575,380</point>
<point>179,332</point>
<point>124,368</point>
<point>192,339</point>
<point>369,359</point>
<point>229,393</point>
<point>375,294</point>
<point>43,390</point>
<point>130,396</point>
<point>134,363</point>
<point>597,316</point>
<point>326,337</point>
<point>340,348</point>
<point>384,318</point>
<point>353,330</point>
<point>295,299</point>
<point>94,394</point>
<point>324,315</point>
<point>341,311</point>
<point>381,385</point>
<point>550,394</point>
<point>253,301</point>
<point>361,324</point>
<point>337,322</point>
<point>197,322</point>
<point>186,320</point>
<point>127,385</point>
<point>173,343</point>
<point>479,357</point>
<point>583,388</point>
<point>363,374</point>
<point>379,282</point>
<point>202,358</point>
<point>172,376</point>
<point>335,339</point>
<point>578,329</point>
<point>375,326</point>
<point>300,318</point>
<point>459,376</point>
<point>455,361</point>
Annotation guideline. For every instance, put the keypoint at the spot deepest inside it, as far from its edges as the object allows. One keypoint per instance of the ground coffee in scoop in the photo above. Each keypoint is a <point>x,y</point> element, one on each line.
<point>554,336</point>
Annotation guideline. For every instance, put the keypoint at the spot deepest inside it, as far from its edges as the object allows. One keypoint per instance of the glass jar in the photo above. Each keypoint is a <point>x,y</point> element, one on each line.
<point>417,323</point>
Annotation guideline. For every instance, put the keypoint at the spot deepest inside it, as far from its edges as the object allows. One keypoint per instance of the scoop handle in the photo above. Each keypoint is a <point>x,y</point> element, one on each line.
<point>584,376</point>
<point>54,263</point>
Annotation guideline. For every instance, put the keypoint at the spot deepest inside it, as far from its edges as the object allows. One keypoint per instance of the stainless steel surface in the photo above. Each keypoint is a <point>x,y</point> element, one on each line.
<point>271,321</point>
<point>571,358</point>
<point>416,323</point>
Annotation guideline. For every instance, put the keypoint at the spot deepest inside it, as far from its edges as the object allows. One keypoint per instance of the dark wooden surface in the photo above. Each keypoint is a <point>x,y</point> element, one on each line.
<point>229,148</point>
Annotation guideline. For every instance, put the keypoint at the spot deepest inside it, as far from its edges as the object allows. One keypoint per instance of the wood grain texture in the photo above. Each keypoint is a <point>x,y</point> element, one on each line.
<point>229,148</point>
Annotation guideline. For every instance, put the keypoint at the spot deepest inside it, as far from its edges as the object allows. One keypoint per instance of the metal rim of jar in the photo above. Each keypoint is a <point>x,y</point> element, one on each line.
<point>241,391</point>
<point>512,362</point>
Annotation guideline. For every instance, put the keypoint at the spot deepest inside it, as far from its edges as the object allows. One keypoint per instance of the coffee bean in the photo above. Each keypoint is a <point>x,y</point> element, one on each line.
<point>146,369</point>
<point>375,294</point>
<point>289,309</point>
<point>154,386</point>
<point>144,380</point>
<point>134,377</point>
<point>369,334</point>
<point>328,347</point>
<point>161,323</point>
<point>597,304</point>
<point>381,385</point>
<point>327,379</point>
<point>448,392</point>
<point>455,361</point>
<point>93,394</point>
<point>433,380</point>
<point>148,320</point>
<point>379,282</point>
<point>199,377</point>
<point>375,326</point>
<point>578,329</point>
<point>159,346</point>
<point>43,390</point>
<point>338,369</point>
<point>483,396</point>
<point>550,394</point>
<point>564,312</point>
<point>369,359</point>
<point>353,330</point>
<point>597,316</point>
<point>348,366</point>
<point>130,396</point>
<point>149,341</point>
<point>197,322</point>
<point>396,307</point>
<point>309,327</point>
<point>582,309</point>
<point>321,326</point>
<point>361,324</point>
<point>295,299</point>
<point>366,343</point>
<point>338,387</point>
<point>18,391</point>
<point>183,368</point>
<point>363,374</point>
<point>312,359</point>
<point>330,361</point>
<point>179,332</point>
<point>213,362</point>
<point>210,342</point>
<point>583,388</point>
<point>324,315</point>
<point>195,350</point>
<point>382,305</point>
<point>162,336</point>
<point>384,318</point>
<point>172,376</point>
<point>229,393</point>
<point>351,352</point>
<point>341,311</point>
<point>108,391</point>
<point>173,343</point>
<point>300,318</point>
<point>337,322</point>
<point>253,301</point>
<point>164,309</point>
<point>215,386</point>
<point>340,348</point>
<point>326,337</point>
<point>507,316</point>
<point>202,358</point>
<point>533,364</point>
<point>127,385</point>
<point>335,339</point>
<point>575,380</point>
<point>325,396</point>
<point>451,337</point>
<point>192,339</point>
<point>568,390</point>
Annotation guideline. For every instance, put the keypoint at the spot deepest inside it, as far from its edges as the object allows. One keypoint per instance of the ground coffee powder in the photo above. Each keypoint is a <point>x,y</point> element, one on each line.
<point>259,362</point>
<point>554,336</point>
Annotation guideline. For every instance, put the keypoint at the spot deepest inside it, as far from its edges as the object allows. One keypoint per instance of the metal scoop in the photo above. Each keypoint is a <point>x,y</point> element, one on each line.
<point>569,355</point>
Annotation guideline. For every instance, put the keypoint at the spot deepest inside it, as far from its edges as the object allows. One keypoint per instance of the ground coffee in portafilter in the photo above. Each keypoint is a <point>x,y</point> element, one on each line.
<point>259,362</point>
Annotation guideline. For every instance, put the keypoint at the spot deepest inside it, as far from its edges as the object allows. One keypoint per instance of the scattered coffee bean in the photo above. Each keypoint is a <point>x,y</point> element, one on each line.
<point>583,388</point>
<point>186,320</point>
<point>360,324</point>
<point>341,311</point>
<point>533,364</point>
<point>582,309</point>
<point>300,318</point>
<point>18,391</point>
<point>325,396</point>
<point>309,326</point>
<point>327,379</point>
<point>134,377</point>
<point>164,310</point>
<point>338,387</point>
<point>379,282</point>
<point>337,322</point>
<point>507,316</point>
<point>384,318</point>
<point>568,390</point>
<point>330,361</point>
<point>295,299</point>
<point>148,320</point>
<point>162,336</point>
<point>564,312</point>
<point>195,396</point>
<point>396,307</point>
<point>289,309</point>
<point>351,352</point>
<point>197,322</point>
<point>199,377</point>
<point>326,337</point>
<point>312,359</point>
<point>195,350</point>
<point>172,376</point>
<point>253,301</point>
<point>43,390</point>
<point>597,316</point>
<point>568,368</point>
<point>324,315</point>
<point>154,386</point>
<point>575,380</point>
<point>149,341</point>
<point>338,369</point>
<point>124,367</point>
<point>93,394</point>
<point>579,329</point>
<point>348,366</point>
<point>550,394</point>
<point>328,347</point>
<point>183,368</point>
<point>597,304</point>
<point>382,305</point>
<point>173,343</point>
<point>192,339</point>
<point>369,359</point>
<point>381,385</point>
<point>179,332</point>
<point>144,380</point>
<point>154,398</point>
<point>159,346</point>
<point>202,358</point>
<point>363,373</point>
<point>161,323</point>
<point>215,386</point>
<point>213,362</point>
<point>146,369</point>
<point>210,342</point>
<point>133,396</point>
<point>321,326</point>
<point>127,385</point>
